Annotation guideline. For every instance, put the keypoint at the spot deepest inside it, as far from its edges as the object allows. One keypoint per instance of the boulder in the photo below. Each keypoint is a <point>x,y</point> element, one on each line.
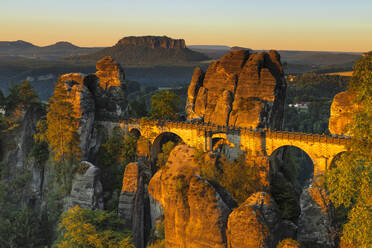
<point>256,86</point>
<point>342,109</point>
<point>86,189</point>
<point>195,214</point>
<point>250,224</point>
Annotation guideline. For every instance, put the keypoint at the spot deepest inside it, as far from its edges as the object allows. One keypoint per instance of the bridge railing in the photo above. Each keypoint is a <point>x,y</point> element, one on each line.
<point>210,127</point>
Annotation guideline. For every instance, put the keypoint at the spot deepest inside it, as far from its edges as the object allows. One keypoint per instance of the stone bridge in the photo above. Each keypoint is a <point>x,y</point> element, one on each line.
<point>260,144</point>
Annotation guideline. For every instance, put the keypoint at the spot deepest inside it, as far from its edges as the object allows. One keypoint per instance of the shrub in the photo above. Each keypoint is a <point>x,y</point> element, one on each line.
<point>288,243</point>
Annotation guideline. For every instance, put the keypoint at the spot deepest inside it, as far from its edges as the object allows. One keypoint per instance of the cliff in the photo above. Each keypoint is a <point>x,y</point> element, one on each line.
<point>97,97</point>
<point>342,109</point>
<point>147,50</point>
<point>241,89</point>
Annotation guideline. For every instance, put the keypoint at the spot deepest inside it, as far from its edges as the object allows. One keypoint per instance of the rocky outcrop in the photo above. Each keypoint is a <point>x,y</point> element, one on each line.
<point>96,97</point>
<point>134,202</point>
<point>153,42</point>
<point>314,223</point>
<point>250,224</point>
<point>147,50</point>
<point>109,73</point>
<point>86,189</point>
<point>241,89</point>
<point>195,214</point>
<point>342,109</point>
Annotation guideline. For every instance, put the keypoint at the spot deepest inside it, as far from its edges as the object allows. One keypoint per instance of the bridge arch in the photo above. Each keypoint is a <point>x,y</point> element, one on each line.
<point>285,157</point>
<point>335,159</point>
<point>162,139</point>
<point>135,132</point>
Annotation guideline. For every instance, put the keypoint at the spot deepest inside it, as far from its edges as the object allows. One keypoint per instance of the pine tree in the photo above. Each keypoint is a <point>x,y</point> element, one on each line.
<point>349,183</point>
<point>62,132</point>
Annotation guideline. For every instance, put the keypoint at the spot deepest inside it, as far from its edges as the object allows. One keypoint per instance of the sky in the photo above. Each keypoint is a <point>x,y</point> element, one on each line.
<point>326,25</point>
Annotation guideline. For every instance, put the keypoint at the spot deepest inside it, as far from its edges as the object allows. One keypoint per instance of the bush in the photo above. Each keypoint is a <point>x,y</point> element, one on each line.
<point>238,177</point>
<point>164,155</point>
<point>92,228</point>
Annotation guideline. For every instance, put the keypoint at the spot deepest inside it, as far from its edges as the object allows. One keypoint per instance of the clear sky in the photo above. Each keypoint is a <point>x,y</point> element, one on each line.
<point>332,25</point>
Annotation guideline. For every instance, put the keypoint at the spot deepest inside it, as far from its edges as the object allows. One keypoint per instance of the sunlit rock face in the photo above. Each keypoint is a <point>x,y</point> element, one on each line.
<point>251,87</point>
<point>250,225</point>
<point>133,201</point>
<point>109,73</point>
<point>195,214</point>
<point>96,97</point>
<point>342,109</point>
<point>152,42</point>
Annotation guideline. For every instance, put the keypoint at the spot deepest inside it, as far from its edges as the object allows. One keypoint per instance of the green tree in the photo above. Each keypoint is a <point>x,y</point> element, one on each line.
<point>164,105</point>
<point>84,228</point>
<point>62,132</point>
<point>21,96</point>
<point>349,183</point>
<point>62,135</point>
<point>238,177</point>
<point>117,151</point>
<point>164,155</point>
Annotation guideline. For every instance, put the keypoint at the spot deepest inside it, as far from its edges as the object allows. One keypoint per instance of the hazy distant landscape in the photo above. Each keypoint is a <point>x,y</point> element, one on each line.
<point>41,66</point>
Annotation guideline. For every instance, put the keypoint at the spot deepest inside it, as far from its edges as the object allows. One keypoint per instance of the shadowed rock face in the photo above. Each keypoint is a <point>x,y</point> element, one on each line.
<point>152,42</point>
<point>342,109</point>
<point>241,89</point>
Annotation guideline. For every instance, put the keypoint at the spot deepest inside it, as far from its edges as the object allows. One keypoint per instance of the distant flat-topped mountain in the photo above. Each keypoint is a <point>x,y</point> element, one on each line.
<point>52,52</point>
<point>147,50</point>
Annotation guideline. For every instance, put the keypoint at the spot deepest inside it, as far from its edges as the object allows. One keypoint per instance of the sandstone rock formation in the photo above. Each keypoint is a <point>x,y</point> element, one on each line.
<point>147,50</point>
<point>241,89</point>
<point>314,223</point>
<point>96,97</point>
<point>152,42</point>
<point>195,213</point>
<point>133,202</point>
<point>87,189</point>
<point>342,109</point>
<point>109,73</point>
<point>250,224</point>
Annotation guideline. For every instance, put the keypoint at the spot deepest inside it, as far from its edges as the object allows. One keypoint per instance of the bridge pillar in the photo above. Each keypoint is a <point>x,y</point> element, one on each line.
<point>208,141</point>
<point>320,165</point>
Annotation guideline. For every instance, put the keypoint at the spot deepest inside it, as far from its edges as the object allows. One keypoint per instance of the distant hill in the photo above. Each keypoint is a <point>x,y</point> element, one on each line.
<point>147,50</point>
<point>52,52</point>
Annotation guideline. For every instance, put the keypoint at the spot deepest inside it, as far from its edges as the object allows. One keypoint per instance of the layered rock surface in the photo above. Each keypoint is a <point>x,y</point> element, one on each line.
<point>133,202</point>
<point>195,214</point>
<point>342,109</point>
<point>152,42</point>
<point>251,223</point>
<point>241,89</point>
<point>87,189</point>
<point>97,97</point>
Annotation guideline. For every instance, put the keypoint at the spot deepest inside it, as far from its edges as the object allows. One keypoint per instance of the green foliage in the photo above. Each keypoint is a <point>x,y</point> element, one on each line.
<point>164,105</point>
<point>20,96</point>
<point>238,177</point>
<point>40,152</point>
<point>349,183</point>
<point>318,90</point>
<point>92,228</point>
<point>62,122</point>
<point>164,155</point>
<point>138,108</point>
<point>286,197</point>
<point>117,151</point>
